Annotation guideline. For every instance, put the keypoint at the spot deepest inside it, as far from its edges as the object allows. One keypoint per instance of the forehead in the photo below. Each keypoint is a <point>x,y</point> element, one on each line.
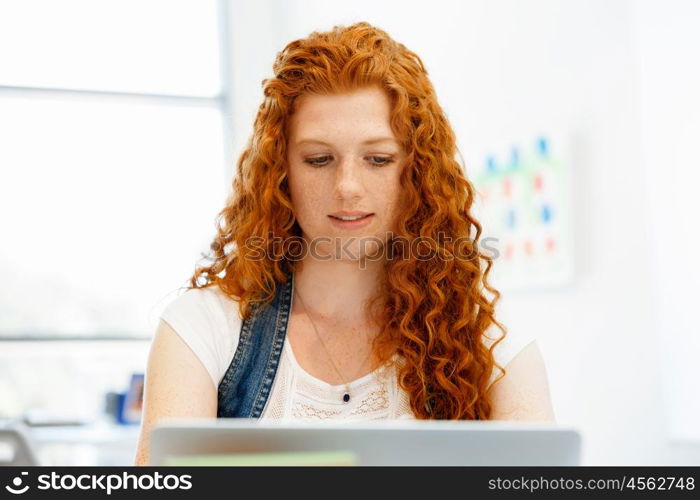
<point>365,112</point>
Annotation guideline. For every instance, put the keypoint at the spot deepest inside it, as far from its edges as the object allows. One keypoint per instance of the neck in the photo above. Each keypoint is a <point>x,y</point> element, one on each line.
<point>336,290</point>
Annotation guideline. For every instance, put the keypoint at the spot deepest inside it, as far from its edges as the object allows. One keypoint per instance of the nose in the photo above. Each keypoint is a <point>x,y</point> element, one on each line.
<point>348,182</point>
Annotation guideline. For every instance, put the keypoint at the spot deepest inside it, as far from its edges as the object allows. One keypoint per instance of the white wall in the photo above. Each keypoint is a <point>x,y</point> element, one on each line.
<point>669,83</point>
<point>258,32</point>
<point>500,68</point>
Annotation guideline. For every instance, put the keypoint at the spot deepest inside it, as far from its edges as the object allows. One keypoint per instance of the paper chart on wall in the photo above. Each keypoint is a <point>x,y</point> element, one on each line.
<point>524,204</point>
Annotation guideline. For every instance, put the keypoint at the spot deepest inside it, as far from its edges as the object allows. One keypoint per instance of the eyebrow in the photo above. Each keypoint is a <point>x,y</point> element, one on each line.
<point>368,141</point>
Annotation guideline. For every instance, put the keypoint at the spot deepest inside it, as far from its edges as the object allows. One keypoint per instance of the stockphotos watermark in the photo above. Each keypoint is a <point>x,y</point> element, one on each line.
<point>370,248</point>
<point>101,482</point>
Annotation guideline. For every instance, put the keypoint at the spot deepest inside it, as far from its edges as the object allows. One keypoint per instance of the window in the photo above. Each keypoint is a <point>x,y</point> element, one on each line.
<point>113,125</point>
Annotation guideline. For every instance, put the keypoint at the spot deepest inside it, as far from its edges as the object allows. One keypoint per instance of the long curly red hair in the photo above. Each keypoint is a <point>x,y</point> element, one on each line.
<point>434,312</point>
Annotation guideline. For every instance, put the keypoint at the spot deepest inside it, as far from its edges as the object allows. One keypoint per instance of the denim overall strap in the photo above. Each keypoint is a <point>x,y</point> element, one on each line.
<point>247,383</point>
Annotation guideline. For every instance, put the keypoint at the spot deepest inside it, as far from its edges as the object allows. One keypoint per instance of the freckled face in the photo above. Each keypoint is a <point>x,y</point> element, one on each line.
<point>343,156</point>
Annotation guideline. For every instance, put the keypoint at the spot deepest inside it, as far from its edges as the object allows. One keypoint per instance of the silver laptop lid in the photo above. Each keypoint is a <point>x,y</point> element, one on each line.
<point>394,442</point>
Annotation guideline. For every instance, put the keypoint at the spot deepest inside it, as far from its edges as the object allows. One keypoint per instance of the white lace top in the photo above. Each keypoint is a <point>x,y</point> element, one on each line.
<point>296,394</point>
<point>209,322</point>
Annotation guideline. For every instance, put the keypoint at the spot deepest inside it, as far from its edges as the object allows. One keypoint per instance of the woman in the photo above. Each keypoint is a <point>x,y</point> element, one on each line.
<point>347,279</point>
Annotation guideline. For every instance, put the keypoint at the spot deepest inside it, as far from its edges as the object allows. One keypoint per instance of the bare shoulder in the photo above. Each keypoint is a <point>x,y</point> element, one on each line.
<point>523,392</point>
<point>176,385</point>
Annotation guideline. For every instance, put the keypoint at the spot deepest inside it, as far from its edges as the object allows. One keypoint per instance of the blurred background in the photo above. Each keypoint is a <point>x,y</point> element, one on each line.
<point>578,121</point>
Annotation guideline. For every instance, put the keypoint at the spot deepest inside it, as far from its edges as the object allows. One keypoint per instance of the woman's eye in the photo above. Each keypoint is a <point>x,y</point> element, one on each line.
<point>318,161</point>
<point>321,160</point>
<point>381,160</point>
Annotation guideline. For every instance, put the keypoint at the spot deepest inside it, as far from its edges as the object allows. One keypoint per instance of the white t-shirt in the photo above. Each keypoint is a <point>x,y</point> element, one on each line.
<point>210,323</point>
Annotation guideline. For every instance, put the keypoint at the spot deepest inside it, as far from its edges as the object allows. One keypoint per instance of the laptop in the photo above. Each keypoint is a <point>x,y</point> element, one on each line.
<point>255,442</point>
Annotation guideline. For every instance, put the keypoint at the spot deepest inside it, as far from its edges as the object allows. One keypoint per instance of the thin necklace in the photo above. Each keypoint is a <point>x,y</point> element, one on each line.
<point>346,395</point>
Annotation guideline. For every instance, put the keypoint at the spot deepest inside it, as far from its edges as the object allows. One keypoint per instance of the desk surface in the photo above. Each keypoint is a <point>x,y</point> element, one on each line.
<point>101,443</point>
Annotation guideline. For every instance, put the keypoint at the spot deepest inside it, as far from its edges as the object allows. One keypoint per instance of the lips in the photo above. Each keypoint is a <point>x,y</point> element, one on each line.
<point>351,225</point>
<point>346,213</point>
<point>350,220</point>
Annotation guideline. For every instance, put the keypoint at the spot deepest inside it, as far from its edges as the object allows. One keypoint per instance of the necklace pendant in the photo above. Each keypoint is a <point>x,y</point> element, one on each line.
<point>346,397</point>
